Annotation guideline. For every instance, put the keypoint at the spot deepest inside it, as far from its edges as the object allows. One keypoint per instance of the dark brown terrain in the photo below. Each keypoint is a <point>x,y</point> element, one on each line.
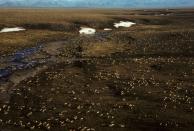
<point>127,79</point>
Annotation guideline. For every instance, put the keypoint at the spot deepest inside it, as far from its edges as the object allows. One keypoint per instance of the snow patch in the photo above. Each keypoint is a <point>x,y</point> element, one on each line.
<point>15,29</point>
<point>124,24</point>
<point>107,29</point>
<point>87,31</point>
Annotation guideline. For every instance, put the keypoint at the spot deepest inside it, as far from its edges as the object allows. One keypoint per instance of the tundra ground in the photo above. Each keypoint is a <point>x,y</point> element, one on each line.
<point>136,78</point>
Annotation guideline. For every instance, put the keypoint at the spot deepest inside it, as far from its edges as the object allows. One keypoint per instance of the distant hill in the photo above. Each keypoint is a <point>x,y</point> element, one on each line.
<point>97,3</point>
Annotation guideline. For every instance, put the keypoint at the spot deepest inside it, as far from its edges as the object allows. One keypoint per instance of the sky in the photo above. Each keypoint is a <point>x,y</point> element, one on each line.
<point>98,3</point>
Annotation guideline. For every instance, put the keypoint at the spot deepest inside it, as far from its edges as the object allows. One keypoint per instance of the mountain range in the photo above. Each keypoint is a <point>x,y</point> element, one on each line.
<point>97,3</point>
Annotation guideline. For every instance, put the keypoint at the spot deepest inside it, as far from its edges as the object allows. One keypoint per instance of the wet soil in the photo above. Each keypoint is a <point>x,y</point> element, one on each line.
<point>126,79</point>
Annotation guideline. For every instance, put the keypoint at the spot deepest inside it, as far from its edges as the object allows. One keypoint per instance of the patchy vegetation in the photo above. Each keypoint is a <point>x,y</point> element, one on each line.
<point>137,78</point>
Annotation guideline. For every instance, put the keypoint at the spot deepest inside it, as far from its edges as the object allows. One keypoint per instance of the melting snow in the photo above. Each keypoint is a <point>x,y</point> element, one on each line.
<point>87,31</point>
<point>124,24</point>
<point>107,29</point>
<point>12,29</point>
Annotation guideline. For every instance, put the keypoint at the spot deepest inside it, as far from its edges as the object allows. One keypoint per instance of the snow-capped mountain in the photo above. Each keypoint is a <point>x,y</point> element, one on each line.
<point>96,3</point>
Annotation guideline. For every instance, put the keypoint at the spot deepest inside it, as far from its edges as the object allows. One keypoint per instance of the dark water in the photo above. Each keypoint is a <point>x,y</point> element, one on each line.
<point>5,72</point>
<point>19,55</point>
<point>16,61</point>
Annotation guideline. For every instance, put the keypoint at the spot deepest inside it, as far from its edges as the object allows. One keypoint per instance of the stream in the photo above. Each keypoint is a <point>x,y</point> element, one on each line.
<point>28,62</point>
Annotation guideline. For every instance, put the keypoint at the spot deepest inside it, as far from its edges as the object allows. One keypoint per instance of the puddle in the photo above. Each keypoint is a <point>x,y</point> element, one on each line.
<point>16,62</point>
<point>18,56</point>
<point>124,24</point>
<point>5,72</point>
<point>87,31</point>
<point>29,58</point>
<point>15,29</point>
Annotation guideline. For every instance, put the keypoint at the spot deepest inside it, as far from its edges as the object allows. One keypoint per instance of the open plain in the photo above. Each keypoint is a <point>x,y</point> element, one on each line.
<point>118,79</point>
